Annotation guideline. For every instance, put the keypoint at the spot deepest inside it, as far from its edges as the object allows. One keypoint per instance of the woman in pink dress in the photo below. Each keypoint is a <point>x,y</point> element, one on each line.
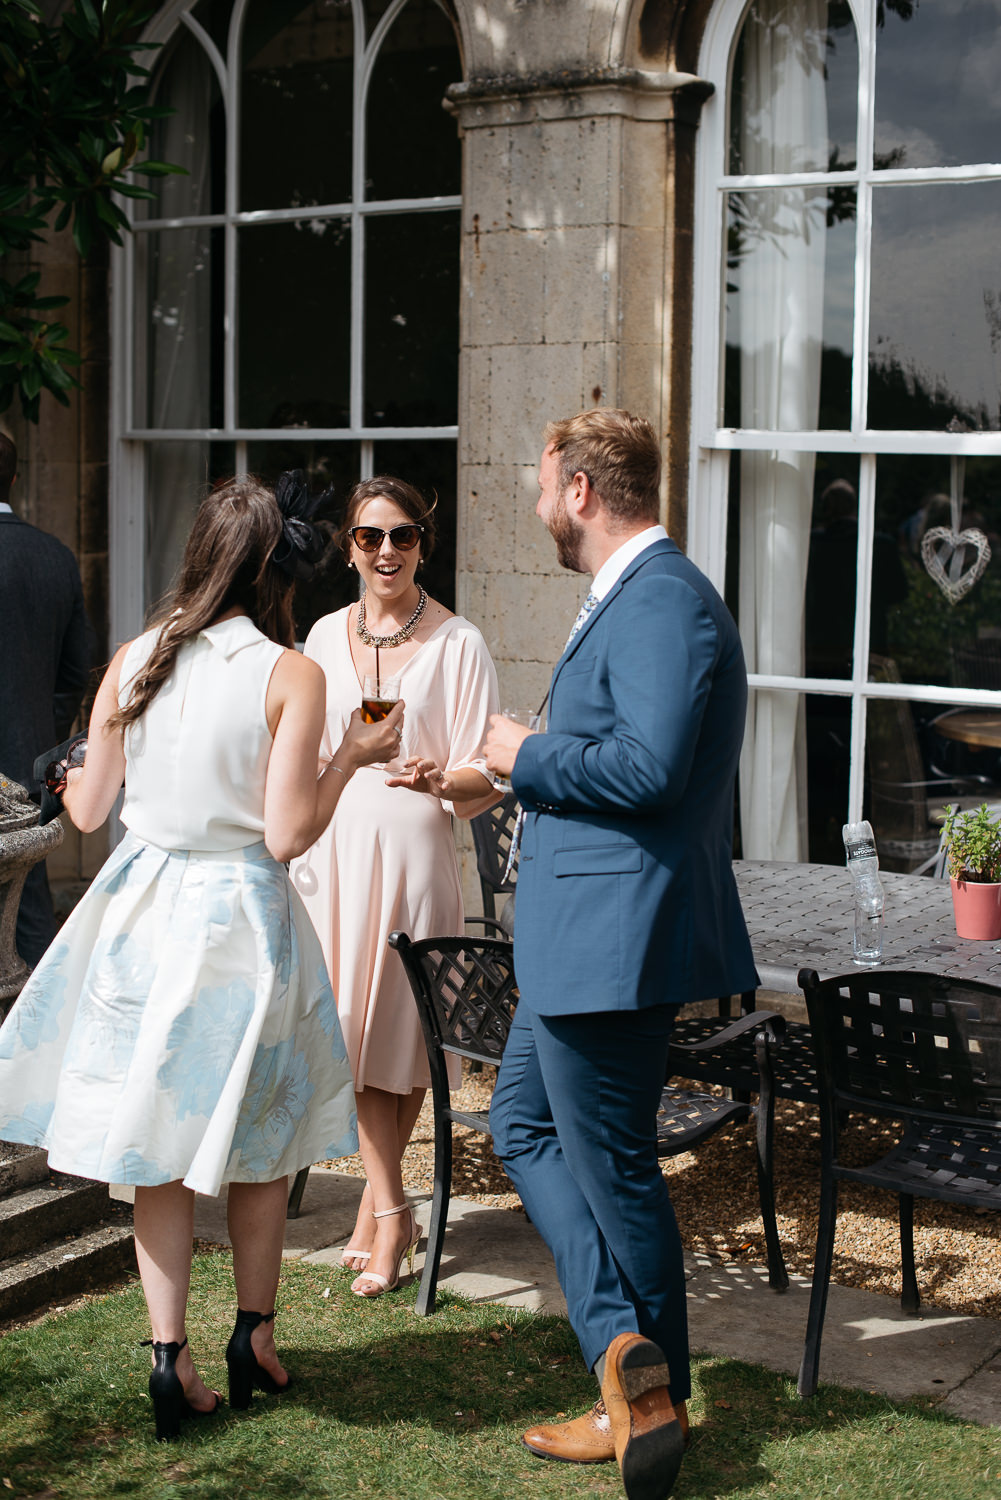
<point>393,822</point>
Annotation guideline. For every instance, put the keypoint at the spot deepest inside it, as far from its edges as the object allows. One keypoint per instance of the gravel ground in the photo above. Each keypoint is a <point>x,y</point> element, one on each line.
<point>958,1251</point>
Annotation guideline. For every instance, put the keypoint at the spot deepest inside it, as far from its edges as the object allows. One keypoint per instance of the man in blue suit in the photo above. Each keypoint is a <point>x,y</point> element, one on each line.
<point>627,908</point>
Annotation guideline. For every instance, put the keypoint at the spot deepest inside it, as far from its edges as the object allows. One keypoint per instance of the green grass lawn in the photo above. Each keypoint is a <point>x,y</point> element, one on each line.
<point>388,1404</point>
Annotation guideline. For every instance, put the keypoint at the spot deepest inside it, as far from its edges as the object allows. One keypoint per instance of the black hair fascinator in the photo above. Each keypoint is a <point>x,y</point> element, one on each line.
<point>302,544</point>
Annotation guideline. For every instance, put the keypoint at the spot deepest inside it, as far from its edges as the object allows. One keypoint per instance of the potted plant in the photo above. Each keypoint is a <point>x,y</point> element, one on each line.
<point>973,850</point>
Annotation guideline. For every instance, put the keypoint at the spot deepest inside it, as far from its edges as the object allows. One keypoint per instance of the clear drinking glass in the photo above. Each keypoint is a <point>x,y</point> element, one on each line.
<point>378,697</point>
<point>531,720</point>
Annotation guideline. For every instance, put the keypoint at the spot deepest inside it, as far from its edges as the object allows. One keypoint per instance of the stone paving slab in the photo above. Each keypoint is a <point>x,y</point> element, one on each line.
<point>495,1255</point>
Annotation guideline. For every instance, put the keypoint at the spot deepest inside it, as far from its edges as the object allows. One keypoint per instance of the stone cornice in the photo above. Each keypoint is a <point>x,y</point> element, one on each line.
<point>522,99</point>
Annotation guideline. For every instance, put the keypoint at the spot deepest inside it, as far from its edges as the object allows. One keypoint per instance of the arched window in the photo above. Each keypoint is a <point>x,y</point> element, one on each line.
<point>847,415</point>
<point>293,300</point>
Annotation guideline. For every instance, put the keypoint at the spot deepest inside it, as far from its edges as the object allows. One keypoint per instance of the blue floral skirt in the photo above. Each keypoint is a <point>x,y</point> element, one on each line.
<point>180,1026</point>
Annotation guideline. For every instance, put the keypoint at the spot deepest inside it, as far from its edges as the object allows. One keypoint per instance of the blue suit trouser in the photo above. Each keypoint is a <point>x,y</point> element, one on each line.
<point>36,921</point>
<point>574,1121</point>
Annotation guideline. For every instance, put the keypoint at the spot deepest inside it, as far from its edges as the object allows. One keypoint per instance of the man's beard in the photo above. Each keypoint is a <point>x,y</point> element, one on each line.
<point>568,535</point>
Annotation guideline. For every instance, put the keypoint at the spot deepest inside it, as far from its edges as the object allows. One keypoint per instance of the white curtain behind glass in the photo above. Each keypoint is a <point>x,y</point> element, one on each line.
<point>781,278</point>
<point>179,308</point>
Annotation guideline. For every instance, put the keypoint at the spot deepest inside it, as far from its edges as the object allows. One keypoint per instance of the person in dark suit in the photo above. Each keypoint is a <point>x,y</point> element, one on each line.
<point>46,647</point>
<point>627,908</point>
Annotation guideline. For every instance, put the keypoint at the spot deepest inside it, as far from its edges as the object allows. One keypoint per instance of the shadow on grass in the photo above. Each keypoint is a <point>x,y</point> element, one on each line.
<point>391,1405</point>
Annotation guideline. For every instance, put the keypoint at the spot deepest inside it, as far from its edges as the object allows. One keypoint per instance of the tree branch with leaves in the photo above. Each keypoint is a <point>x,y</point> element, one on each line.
<point>75,113</point>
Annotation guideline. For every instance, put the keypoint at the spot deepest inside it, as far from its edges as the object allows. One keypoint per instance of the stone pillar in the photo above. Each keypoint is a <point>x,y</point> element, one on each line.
<point>569,245</point>
<point>22,844</point>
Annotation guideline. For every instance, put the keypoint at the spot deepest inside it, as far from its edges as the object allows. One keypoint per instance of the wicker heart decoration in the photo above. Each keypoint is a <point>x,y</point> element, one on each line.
<point>943,547</point>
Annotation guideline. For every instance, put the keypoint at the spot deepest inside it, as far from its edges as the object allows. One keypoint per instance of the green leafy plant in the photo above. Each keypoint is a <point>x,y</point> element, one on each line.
<point>973,844</point>
<point>74,115</point>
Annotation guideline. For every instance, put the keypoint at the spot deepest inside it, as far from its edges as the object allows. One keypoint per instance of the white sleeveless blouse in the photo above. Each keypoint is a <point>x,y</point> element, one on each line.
<point>197,761</point>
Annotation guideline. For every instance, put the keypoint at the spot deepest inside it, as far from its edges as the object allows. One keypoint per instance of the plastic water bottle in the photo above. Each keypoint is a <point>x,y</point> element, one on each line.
<point>863,867</point>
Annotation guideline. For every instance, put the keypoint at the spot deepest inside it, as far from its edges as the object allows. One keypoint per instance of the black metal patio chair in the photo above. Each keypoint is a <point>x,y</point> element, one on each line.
<point>466,994</point>
<point>921,1049</point>
<point>492,832</point>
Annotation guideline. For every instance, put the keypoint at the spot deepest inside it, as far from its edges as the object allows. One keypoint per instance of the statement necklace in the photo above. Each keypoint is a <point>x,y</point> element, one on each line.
<point>383,642</point>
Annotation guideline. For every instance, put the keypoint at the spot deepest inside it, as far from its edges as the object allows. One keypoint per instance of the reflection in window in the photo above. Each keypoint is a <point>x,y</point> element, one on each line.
<point>858,569</point>
<point>295,324</point>
<point>415,154</point>
<point>936,84</point>
<point>295,117</point>
<point>935,320</point>
<point>302,306</point>
<point>793,98</point>
<point>412,319</point>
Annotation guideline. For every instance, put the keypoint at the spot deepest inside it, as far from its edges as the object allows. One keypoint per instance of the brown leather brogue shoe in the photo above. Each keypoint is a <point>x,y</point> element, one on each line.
<point>648,1438</point>
<point>585,1440</point>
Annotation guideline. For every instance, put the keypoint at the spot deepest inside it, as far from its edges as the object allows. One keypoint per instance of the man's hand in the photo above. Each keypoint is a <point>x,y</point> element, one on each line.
<point>500,749</point>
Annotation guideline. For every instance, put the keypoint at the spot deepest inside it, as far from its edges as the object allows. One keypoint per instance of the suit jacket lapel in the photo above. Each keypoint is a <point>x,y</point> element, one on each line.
<point>655,549</point>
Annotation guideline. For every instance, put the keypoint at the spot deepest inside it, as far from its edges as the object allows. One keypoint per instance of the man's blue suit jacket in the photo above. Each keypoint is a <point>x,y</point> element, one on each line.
<point>626,896</point>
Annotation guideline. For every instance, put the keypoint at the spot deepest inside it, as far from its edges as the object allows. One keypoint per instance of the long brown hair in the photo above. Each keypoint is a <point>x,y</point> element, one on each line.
<point>227,562</point>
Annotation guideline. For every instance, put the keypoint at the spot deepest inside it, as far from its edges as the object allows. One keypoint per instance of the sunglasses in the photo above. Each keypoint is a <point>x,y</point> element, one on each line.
<point>370,538</point>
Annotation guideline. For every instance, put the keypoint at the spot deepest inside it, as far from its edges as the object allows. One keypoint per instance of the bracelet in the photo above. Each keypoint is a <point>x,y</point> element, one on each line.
<point>332,767</point>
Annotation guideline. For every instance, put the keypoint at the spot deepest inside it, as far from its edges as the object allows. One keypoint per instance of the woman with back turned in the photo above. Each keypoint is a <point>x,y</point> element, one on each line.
<point>180,1032</point>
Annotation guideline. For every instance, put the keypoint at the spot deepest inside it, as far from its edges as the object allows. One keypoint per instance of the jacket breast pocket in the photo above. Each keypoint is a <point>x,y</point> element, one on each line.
<point>598,859</point>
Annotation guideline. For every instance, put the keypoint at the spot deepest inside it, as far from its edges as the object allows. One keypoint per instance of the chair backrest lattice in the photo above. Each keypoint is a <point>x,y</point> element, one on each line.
<point>492,833</point>
<point>466,992</point>
<point>917,1045</point>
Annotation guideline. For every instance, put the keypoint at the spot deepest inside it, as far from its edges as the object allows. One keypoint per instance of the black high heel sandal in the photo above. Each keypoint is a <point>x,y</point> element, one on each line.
<point>170,1404</point>
<point>244,1371</point>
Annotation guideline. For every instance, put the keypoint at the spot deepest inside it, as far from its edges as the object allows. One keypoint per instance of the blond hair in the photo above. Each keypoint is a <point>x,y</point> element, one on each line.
<point>620,455</point>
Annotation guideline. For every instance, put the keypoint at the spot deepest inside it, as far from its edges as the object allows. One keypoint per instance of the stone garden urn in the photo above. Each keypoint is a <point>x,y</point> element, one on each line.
<point>22,844</point>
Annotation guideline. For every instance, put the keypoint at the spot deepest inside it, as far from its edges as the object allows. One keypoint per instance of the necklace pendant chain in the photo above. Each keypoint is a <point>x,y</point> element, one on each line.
<point>384,642</point>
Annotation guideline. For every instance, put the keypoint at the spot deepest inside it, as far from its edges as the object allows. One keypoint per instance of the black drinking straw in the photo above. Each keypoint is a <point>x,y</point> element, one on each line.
<point>378,690</point>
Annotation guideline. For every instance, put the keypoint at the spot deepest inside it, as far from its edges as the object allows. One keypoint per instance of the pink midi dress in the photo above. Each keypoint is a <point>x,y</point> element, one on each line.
<point>387,859</point>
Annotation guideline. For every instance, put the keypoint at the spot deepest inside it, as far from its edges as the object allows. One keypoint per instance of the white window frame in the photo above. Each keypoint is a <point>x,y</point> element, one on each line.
<point>711,444</point>
<point>128,439</point>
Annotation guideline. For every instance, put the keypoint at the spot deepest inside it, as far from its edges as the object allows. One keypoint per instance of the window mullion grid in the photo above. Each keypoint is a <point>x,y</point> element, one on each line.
<point>357,367</point>
<point>231,260</point>
<point>863,221</point>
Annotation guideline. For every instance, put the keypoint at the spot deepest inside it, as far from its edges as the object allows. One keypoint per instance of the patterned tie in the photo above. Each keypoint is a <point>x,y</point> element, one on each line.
<point>589,604</point>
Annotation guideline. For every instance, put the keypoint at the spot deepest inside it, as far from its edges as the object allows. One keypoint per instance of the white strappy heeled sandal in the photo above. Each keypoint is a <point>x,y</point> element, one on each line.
<point>380,1283</point>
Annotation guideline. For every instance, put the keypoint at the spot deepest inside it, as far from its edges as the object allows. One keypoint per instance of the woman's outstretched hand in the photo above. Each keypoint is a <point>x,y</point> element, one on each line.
<point>423,775</point>
<point>364,744</point>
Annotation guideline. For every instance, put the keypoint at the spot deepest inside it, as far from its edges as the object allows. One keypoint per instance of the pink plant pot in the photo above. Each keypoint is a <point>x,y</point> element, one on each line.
<point>978,909</point>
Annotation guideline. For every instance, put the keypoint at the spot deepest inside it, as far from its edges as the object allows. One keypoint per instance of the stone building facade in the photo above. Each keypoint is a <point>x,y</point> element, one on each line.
<point>761,225</point>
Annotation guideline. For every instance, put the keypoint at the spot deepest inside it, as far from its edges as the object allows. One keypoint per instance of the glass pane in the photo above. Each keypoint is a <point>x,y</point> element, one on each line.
<point>193,137</point>
<point>295,108</point>
<point>936,85</point>
<point>412,144</point>
<point>919,758</point>
<point>831,568</point>
<point>935,319</point>
<point>326,464</point>
<point>412,319</point>
<point>374,11</point>
<point>432,467</point>
<point>295,324</point>
<point>789,305</point>
<point>178,477</point>
<point>946,629</point>
<point>794,90</point>
<point>178,335</point>
<point>214,16</point>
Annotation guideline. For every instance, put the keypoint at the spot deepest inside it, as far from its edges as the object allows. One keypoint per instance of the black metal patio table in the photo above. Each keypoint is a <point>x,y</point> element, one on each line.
<point>800,916</point>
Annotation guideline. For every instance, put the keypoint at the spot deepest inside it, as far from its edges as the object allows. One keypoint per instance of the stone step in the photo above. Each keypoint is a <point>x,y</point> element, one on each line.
<point>20,1166</point>
<point>66,1268</point>
<point>34,1216</point>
